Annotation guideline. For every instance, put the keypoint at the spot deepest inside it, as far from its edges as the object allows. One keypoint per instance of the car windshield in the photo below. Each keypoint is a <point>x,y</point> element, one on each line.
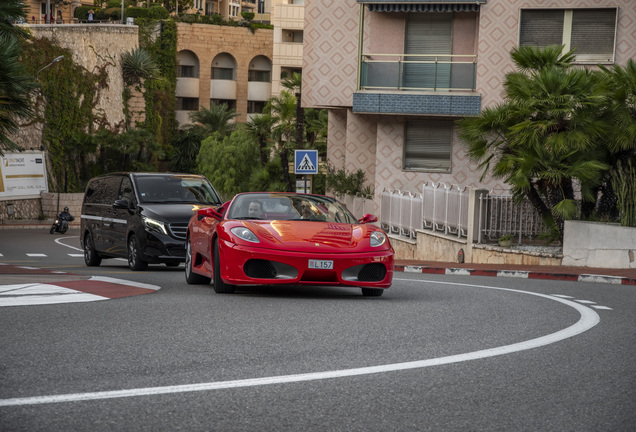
<point>176,189</point>
<point>282,206</point>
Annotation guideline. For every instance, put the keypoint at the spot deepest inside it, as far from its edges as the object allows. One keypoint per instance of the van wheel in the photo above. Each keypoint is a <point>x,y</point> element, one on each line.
<point>91,258</point>
<point>220,286</point>
<point>134,255</point>
<point>192,278</point>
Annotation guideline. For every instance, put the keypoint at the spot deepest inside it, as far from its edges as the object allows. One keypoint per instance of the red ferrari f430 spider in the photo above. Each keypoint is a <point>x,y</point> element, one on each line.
<point>268,238</point>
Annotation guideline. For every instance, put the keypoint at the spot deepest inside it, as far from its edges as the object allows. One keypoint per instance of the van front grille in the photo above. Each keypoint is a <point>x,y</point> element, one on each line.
<point>178,230</point>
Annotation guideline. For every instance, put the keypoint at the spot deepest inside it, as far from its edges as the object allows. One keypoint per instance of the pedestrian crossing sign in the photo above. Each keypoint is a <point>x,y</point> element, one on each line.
<point>306,162</point>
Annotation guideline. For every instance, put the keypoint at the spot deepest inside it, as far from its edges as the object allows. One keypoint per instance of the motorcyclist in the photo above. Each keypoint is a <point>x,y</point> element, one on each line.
<point>65,217</point>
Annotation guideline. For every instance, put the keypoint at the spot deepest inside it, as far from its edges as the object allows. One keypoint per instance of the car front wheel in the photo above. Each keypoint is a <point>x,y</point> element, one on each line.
<point>220,286</point>
<point>191,277</point>
<point>134,255</point>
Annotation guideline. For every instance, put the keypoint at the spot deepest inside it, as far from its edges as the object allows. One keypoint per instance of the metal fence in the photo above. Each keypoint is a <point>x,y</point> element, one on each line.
<point>445,209</point>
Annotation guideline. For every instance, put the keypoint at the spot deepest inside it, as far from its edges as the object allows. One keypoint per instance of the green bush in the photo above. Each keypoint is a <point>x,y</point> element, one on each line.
<point>137,12</point>
<point>81,12</point>
<point>158,12</point>
<point>247,16</point>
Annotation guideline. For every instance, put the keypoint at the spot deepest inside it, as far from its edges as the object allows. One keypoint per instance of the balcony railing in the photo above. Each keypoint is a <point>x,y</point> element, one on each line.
<point>418,72</point>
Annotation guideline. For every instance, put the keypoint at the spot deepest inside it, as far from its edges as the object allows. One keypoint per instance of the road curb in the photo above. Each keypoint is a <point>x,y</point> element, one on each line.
<point>616,280</point>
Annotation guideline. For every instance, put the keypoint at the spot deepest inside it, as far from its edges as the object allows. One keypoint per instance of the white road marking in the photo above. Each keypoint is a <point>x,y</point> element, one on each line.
<point>59,241</point>
<point>602,307</point>
<point>36,255</point>
<point>589,318</point>
<point>585,301</point>
<point>562,296</point>
<point>76,255</point>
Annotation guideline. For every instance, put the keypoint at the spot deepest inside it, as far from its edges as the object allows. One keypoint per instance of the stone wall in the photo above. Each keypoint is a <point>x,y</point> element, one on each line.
<point>92,45</point>
<point>20,209</point>
<point>71,200</point>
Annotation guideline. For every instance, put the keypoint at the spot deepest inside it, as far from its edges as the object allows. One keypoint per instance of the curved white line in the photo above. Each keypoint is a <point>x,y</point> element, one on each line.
<point>589,318</point>
<point>59,241</point>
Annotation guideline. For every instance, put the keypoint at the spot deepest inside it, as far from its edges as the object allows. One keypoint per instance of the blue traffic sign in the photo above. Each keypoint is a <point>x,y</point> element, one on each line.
<point>306,162</point>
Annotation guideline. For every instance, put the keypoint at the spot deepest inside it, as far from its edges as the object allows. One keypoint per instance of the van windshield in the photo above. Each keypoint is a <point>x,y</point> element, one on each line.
<point>176,189</point>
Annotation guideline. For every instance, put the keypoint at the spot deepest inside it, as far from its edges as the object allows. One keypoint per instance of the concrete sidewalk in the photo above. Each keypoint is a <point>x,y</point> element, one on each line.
<point>568,273</point>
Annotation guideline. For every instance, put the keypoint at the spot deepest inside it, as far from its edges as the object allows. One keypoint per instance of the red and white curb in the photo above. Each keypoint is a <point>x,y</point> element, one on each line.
<point>72,291</point>
<point>617,280</point>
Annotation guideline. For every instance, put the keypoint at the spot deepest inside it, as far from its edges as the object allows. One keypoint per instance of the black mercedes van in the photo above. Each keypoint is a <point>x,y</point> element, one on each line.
<point>141,216</point>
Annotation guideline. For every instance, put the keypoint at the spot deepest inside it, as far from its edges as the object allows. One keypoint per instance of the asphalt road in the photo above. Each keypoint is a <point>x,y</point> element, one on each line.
<point>436,352</point>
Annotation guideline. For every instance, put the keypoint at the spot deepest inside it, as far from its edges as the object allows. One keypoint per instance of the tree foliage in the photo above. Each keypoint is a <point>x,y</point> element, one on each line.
<point>548,137</point>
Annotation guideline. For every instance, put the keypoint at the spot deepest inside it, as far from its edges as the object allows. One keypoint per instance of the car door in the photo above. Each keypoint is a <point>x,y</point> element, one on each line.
<point>121,217</point>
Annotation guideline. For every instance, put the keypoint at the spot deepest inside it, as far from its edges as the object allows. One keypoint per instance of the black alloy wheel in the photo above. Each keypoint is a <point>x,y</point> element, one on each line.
<point>91,258</point>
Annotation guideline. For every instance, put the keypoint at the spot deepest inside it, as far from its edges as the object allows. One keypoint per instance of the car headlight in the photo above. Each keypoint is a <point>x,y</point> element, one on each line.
<point>377,238</point>
<point>245,234</point>
<point>155,225</point>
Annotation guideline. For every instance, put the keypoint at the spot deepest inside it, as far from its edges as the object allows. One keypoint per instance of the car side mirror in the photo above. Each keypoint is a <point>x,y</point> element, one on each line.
<point>121,204</point>
<point>368,218</point>
<point>209,212</point>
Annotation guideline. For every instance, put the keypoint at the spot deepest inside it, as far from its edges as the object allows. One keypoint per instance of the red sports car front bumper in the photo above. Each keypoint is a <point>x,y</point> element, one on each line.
<point>247,265</point>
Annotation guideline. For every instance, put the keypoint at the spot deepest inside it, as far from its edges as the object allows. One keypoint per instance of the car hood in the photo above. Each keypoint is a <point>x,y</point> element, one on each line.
<point>171,213</point>
<point>310,235</point>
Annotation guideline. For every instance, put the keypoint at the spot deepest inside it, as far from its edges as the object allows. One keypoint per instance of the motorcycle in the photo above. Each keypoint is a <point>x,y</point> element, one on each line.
<point>60,225</point>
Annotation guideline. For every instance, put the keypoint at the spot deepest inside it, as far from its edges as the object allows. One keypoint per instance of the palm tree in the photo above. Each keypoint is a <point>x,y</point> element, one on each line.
<point>546,135</point>
<point>294,84</point>
<point>216,119</point>
<point>137,65</point>
<point>283,110</point>
<point>260,127</point>
<point>186,143</point>
<point>15,82</point>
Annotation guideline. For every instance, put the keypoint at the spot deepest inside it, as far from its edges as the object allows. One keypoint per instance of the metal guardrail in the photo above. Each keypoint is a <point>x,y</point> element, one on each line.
<point>443,71</point>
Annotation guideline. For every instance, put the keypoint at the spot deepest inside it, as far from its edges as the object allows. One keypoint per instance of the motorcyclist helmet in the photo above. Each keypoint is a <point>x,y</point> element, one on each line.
<point>65,209</point>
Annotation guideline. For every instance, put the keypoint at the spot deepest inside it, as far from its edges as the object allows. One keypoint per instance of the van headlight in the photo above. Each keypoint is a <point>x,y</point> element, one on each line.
<point>155,225</point>
<point>377,238</point>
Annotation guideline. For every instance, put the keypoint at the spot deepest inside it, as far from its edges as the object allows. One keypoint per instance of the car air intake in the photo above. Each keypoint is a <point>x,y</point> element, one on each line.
<point>259,269</point>
<point>373,272</point>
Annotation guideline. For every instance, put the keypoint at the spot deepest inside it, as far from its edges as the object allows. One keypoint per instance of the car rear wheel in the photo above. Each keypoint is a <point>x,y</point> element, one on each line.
<point>134,255</point>
<point>220,286</point>
<point>91,258</point>
<point>372,292</point>
<point>192,278</point>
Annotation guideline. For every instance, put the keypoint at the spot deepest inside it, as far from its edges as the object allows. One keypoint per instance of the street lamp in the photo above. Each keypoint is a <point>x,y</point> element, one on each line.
<point>55,60</point>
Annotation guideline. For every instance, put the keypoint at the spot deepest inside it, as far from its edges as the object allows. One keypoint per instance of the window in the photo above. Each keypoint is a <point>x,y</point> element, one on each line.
<point>427,145</point>
<point>187,104</point>
<point>231,104</point>
<point>590,32</point>
<point>255,107</point>
<point>186,71</point>
<point>261,76</point>
<point>222,73</point>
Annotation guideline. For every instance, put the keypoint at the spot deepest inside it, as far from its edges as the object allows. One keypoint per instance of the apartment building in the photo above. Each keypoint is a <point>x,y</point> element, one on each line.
<point>288,20</point>
<point>60,11</point>
<point>397,75</point>
<point>223,65</point>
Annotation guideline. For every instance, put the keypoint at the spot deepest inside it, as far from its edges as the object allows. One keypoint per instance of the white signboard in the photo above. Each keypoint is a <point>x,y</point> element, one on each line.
<point>22,174</point>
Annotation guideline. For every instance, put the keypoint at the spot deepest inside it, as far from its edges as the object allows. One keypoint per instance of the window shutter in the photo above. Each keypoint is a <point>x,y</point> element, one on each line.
<point>541,27</point>
<point>593,32</point>
<point>427,145</point>
<point>428,33</point>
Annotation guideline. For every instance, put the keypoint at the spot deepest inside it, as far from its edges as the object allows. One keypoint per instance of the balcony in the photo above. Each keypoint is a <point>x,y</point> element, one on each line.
<point>417,84</point>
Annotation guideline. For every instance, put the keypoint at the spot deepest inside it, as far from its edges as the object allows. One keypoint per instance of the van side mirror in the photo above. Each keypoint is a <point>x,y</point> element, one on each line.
<point>122,204</point>
<point>209,212</point>
<point>368,218</point>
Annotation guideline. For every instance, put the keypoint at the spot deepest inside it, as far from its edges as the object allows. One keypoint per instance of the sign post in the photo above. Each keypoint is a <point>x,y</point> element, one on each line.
<point>305,162</point>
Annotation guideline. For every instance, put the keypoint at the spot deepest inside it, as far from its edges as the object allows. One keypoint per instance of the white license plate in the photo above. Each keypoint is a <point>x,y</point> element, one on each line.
<point>321,264</point>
